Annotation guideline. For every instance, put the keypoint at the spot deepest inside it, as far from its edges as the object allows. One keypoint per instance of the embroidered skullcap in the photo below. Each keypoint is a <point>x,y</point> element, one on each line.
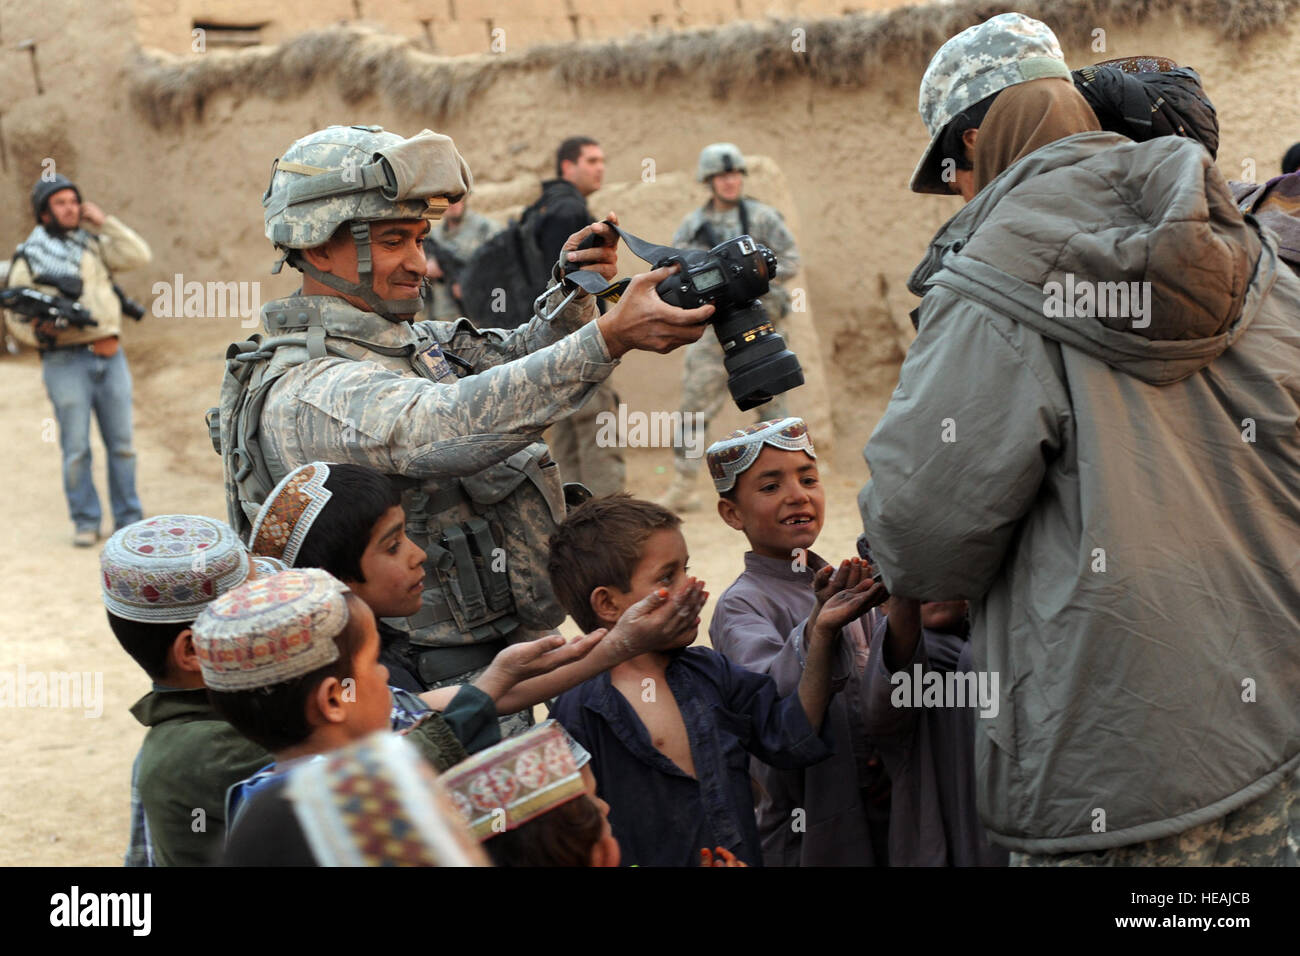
<point>515,781</point>
<point>377,803</point>
<point>288,512</point>
<point>271,630</point>
<point>167,569</point>
<point>264,566</point>
<point>732,456</point>
<point>581,756</point>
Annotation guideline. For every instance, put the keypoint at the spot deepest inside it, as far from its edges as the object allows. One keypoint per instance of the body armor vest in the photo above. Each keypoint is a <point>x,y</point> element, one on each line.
<point>485,536</point>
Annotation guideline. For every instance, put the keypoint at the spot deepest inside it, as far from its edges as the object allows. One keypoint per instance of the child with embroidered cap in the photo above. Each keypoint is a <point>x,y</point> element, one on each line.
<point>532,801</point>
<point>292,661</point>
<point>375,802</point>
<point>156,576</point>
<point>348,519</point>
<point>669,731</point>
<point>769,489</point>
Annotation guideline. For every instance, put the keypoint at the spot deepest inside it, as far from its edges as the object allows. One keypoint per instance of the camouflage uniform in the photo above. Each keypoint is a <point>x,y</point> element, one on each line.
<point>454,413</point>
<point>474,230</point>
<point>1263,833</point>
<point>704,378</point>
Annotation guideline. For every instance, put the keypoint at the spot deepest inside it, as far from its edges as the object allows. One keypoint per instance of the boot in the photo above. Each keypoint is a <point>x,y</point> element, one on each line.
<point>681,495</point>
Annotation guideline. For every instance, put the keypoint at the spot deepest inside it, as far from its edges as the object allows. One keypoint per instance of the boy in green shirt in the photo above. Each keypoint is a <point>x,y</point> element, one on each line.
<point>157,575</point>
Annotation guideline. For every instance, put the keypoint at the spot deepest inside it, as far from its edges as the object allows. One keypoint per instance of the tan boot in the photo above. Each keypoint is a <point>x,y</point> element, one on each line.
<point>680,496</point>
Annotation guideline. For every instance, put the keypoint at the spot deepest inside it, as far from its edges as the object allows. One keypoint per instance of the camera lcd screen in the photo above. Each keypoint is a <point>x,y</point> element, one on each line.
<point>707,280</point>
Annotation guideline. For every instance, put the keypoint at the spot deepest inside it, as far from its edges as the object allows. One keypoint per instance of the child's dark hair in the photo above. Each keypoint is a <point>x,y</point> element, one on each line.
<point>359,496</point>
<point>148,642</point>
<point>276,717</point>
<point>563,836</point>
<point>599,545</point>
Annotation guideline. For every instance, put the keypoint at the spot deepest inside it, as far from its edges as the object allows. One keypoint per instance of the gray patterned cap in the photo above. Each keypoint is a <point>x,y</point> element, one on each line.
<point>1008,49</point>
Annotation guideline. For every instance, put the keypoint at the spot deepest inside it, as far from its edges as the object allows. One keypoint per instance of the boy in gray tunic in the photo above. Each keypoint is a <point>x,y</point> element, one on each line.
<point>836,812</point>
<point>919,654</point>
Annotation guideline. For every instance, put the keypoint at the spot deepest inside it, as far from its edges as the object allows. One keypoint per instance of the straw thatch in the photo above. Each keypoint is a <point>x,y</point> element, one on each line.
<point>846,51</point>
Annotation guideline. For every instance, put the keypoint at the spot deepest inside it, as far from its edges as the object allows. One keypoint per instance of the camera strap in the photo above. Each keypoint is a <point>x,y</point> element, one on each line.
<point>611,291</point>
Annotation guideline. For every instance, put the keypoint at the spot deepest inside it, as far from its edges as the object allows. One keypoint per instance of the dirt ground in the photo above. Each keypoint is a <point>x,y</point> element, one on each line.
<point>65,797</point>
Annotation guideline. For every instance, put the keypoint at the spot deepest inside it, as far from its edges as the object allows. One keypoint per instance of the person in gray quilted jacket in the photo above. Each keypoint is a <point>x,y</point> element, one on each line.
<point>1095,439</point>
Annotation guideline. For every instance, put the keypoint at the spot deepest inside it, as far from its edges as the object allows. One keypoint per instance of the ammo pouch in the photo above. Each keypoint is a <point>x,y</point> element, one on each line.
<point>486,540</point>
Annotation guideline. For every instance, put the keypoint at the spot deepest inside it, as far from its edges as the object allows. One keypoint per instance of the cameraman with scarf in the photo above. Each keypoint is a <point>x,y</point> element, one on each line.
<point>83,368</point>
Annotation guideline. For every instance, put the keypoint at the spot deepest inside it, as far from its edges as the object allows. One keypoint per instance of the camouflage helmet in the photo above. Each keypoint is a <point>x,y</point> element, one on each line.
<point>719,158</point>
<point>357,175</point>
<point>1003,51</point>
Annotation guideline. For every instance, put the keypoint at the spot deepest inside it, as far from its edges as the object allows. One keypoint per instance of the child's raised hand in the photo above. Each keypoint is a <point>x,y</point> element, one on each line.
<point>848,604</point>
<point>660,621</point>
<point>831,580</point>
<point>519,662</point>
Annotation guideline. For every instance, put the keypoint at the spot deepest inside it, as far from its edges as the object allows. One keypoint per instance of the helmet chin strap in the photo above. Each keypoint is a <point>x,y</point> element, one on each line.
<point>394,310</point>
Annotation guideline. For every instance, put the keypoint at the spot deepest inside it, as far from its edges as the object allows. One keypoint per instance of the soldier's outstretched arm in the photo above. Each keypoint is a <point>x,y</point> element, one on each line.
<point>346,411</point>
<point>484,348</point>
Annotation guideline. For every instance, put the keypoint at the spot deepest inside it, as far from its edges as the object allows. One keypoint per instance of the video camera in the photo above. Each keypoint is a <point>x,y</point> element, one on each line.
<point>35,305</point>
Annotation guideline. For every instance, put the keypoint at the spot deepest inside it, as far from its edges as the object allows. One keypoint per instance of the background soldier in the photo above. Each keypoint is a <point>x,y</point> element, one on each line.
<point>454,413</point>
<point>580,171</point>
<point>727,214</point>
<point>451,242</point>
<point>84,368</point>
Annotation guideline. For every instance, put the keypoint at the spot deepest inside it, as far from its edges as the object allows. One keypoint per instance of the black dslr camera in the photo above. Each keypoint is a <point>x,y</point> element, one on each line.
<point>732,276</point>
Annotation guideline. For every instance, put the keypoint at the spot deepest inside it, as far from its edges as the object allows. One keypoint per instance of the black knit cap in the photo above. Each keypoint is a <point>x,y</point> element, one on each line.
<point>1291,161</point>
<point>44,189</point>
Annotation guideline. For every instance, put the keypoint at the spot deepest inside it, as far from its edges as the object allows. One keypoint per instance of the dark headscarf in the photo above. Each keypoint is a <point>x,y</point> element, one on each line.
<point>1026,117</point>
<point>1146,97</point>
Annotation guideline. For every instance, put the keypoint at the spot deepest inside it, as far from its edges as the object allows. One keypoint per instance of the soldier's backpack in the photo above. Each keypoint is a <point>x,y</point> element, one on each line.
<point>505,274</point>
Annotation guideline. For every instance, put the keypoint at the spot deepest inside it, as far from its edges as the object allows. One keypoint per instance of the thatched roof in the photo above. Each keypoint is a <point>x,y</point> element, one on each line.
<point>843,51</point>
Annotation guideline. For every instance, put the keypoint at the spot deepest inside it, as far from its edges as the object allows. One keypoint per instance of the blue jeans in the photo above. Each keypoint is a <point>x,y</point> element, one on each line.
<point>78,381</point>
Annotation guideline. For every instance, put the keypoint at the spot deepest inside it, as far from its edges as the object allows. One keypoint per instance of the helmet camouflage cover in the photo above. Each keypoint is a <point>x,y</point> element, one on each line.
<point>719,158</point>
<point>359,174</point>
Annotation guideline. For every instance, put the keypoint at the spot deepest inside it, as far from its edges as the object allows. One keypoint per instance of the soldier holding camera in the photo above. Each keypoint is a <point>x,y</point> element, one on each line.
<point>727,214</point>
<point>67,306</point>
<point>454,413</point>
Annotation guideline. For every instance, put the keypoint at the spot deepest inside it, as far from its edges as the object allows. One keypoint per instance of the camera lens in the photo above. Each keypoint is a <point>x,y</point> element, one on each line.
<point>758,364</point>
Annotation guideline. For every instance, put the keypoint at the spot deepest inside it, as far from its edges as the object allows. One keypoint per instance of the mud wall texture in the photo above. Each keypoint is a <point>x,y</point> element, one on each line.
<point>181,146</point>
<point>458,27</point>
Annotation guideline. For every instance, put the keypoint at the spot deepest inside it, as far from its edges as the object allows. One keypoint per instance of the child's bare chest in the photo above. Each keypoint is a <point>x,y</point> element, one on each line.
<point>653,701</point>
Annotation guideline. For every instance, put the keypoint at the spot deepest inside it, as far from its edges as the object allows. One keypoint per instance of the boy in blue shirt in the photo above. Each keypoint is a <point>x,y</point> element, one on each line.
<point>670,731</point>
